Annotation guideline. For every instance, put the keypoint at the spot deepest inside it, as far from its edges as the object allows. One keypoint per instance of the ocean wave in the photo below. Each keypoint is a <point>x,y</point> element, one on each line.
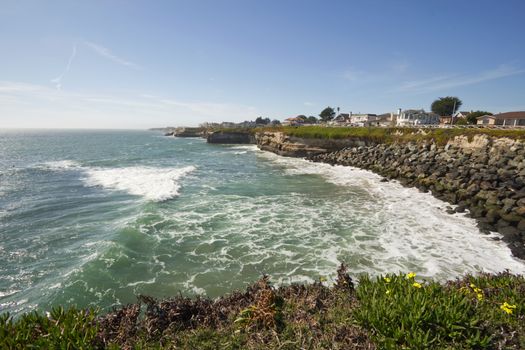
<point>151,183</point>
<point>65,164</point>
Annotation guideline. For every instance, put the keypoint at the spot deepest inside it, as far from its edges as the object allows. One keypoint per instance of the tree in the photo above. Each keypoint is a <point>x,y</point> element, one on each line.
<point>263,121</point>
<point>303,117</point>
<point>461,121</point>
<point>327,114</point>
<point>311,120</point>
<point>446,105</point>
<point>472,116</point>
<point>276,122</point>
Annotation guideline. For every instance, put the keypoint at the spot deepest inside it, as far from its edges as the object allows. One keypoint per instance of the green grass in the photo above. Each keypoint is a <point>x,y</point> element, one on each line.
<point>389,135</point>
<point>62,329</point>
<point>386,312</point>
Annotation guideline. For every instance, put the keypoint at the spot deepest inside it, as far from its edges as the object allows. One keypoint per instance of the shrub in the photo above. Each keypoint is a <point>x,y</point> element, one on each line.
<point>403,313</point>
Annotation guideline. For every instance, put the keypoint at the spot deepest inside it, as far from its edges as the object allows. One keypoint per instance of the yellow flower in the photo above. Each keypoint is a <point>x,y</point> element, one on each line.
<point>508,308</point>
<point>387,291</point>
<point>411,275</point>
<point>479,296</point>
<point>387,280</point>
<point>472,285</point>
<point>416,285</point>
<point>464,290</point>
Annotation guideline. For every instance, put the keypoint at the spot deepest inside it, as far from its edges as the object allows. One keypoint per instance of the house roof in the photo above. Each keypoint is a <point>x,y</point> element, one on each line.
<point>485,116</point>
<point>510,115</point>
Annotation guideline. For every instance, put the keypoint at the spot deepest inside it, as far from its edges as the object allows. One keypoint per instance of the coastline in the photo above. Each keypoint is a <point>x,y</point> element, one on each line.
<point>484,175</point>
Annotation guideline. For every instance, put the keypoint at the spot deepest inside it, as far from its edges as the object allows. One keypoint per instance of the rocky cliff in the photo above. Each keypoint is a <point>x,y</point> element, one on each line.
<point>231,137</point>
<point>291,146</point>
<point>484,175</point>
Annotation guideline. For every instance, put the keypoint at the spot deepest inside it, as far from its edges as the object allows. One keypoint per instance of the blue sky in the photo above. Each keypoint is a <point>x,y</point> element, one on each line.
<point>140,64</point>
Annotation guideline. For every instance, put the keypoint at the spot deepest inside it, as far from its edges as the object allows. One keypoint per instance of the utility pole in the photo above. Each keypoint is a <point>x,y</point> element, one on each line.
<point>453,112</point>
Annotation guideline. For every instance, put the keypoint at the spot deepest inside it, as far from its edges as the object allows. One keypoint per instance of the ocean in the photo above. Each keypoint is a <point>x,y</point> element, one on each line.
<point>94,218</point>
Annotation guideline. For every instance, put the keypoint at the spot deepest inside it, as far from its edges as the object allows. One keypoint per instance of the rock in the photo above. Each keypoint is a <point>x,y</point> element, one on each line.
<point>460,209</point>
<point>485,175</point>
<point>521,225</point>
<point>510,234</point>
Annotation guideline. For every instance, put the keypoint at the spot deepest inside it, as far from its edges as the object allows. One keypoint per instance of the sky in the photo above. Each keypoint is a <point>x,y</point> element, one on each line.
<point>138,64</point>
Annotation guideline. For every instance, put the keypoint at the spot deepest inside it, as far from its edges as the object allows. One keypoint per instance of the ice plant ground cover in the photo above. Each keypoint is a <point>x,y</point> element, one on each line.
<point>397,311</point>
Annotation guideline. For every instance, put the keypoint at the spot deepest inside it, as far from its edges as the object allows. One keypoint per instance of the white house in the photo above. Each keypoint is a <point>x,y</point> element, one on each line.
<point>362,119</point>
<point>504,119</point>
<point>410,117</point>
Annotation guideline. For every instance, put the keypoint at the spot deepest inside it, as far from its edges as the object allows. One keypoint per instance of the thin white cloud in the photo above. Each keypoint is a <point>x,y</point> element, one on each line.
<point>309,104</point>
<point>213,109</point>
<point>352,74</point>
<point>106,53</point>
<point>58,80</point>
<point>452,81</point>
<point>44,106</point>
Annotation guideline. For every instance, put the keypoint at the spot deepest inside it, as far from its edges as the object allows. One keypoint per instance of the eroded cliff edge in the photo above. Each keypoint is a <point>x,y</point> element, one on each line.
<point>484,175</point>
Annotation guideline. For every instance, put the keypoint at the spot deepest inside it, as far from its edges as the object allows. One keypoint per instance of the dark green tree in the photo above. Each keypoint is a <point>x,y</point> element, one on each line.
<point>263,121</point>
<point>276,122</point>
<point>446,105</point>
<point>461,121</point>
<point>327,114</point>
<point>472,116</point>
<point>311,120</point>
<point>302,116</point>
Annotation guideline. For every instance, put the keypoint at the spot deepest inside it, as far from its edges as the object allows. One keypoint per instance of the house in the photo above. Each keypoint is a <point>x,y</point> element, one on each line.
<point>386,119</point>
<point>445,119</point>
<point>294,121</point>
<point>341,119</point>
<point>504,119</point>
<point>363,119</point>
<point>462,114</point>
<point>410,117</point>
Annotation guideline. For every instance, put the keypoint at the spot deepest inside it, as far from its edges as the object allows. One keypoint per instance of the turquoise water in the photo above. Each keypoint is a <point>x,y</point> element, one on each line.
<point>97,217</point>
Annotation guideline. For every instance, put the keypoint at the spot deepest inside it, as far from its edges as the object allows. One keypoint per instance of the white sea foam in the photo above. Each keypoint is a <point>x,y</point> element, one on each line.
<point>415,229</point>
<point>65,164</point>
<point>155,184</point>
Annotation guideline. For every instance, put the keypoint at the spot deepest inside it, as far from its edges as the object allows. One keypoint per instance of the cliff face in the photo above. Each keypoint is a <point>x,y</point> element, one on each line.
<point>188,132</point>
<point>291,146</point>
<point>485,175</point>
<point>230,137</point>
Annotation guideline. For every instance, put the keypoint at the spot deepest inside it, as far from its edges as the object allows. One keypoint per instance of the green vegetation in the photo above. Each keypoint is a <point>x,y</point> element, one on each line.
<point>388,312</point>
<point>446,105</point>
<point>327,114</point>
<point>390,135</point>
<point>71,329</point>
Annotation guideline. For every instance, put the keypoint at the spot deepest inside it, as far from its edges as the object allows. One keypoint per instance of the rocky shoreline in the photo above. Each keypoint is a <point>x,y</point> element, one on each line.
<point>485,175</point>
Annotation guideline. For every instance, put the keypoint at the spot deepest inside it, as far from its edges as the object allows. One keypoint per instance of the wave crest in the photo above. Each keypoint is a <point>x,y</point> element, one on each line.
<point>155,184</point>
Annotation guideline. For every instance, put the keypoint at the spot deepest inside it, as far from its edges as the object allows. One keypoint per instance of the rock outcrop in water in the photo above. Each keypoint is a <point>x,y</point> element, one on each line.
<point>485,175</point>
<point>231,137</point>
<point>188,132</point>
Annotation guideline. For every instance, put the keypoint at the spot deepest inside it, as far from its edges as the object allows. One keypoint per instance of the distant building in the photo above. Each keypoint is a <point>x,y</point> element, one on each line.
<point>445,119</point>
<point>462,114</point>
<point>341,120</point>
<point>363,119</point>
<point>386,119</point>
<point>504,119</point>
<point>411,117</point>
<point>295,121</point>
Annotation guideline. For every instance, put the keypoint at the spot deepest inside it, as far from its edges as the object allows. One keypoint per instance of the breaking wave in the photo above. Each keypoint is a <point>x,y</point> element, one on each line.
<point>151,183</point>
